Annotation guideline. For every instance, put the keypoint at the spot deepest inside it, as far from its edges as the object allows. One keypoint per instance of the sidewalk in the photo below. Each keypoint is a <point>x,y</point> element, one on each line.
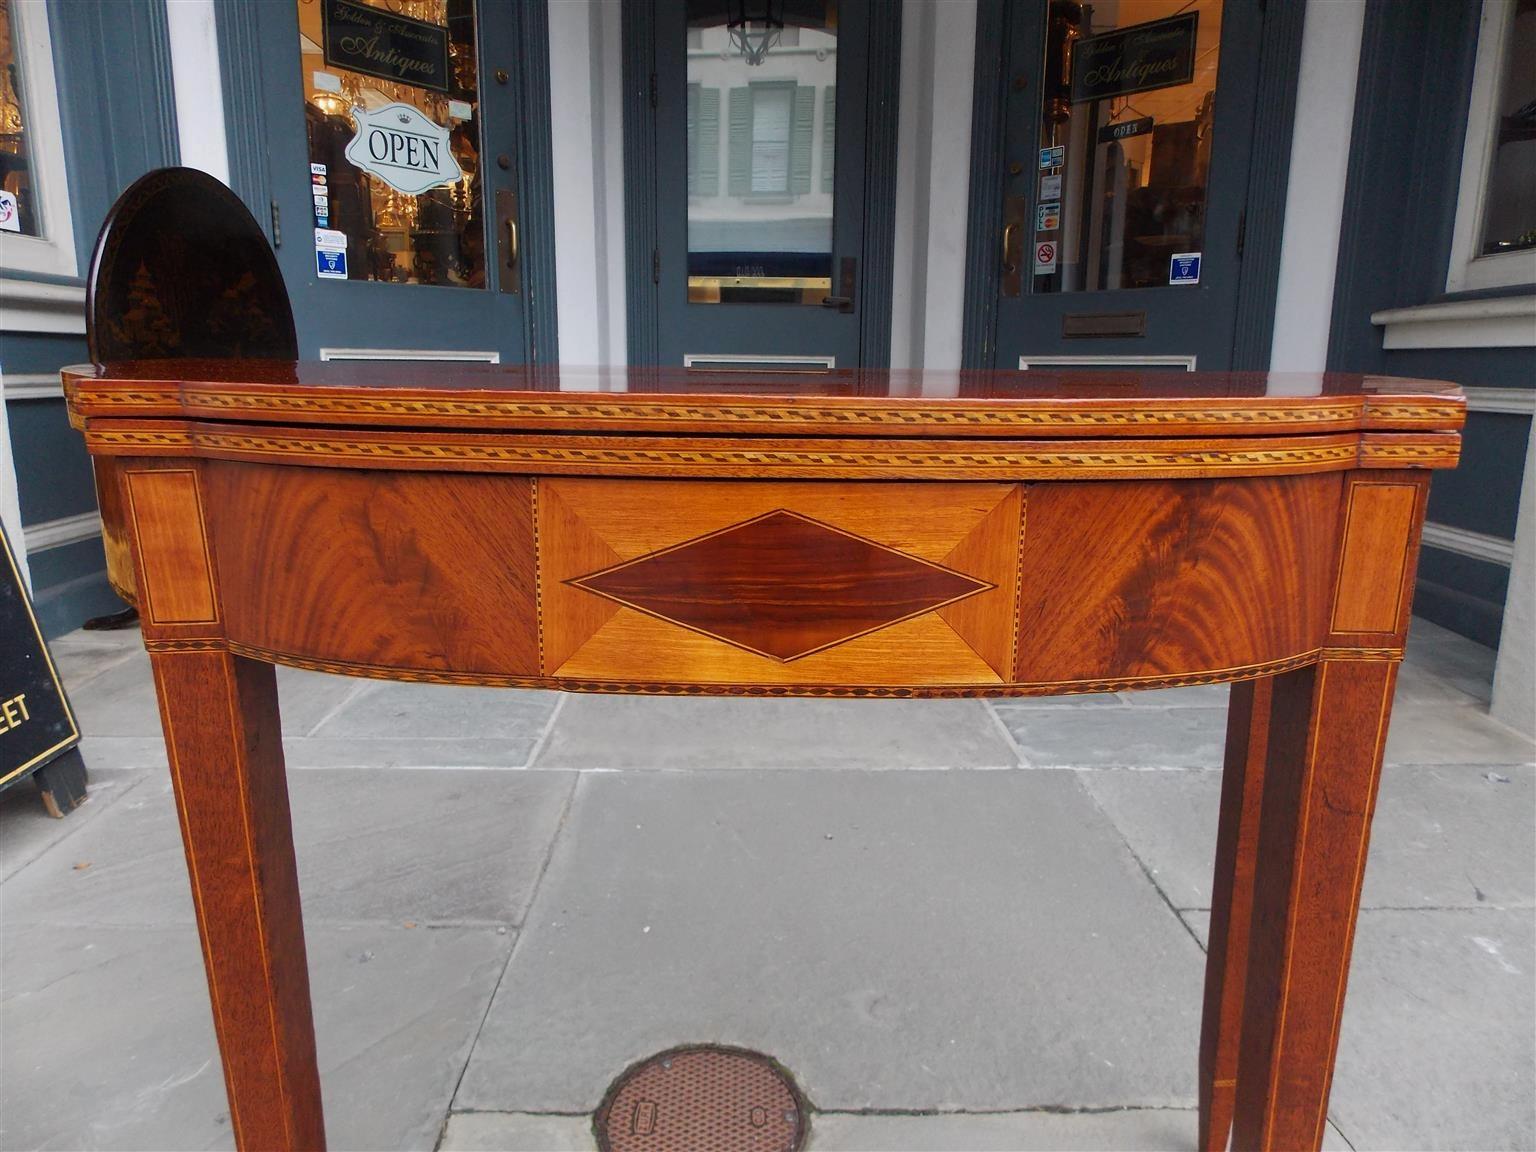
<point>960,925</point>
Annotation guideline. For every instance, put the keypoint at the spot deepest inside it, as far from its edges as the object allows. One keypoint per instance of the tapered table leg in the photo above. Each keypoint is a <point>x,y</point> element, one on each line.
<point>221,729</point>
<point>1226,962</point>
<point>1327,726</point>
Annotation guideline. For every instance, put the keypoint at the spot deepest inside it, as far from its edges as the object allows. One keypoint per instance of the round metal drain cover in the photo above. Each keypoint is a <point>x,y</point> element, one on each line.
<point>702,1099</point>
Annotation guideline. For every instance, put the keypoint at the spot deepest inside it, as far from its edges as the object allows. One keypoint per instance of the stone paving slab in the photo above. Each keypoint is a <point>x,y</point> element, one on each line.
<point>431,847</point>
<point>517,1132</point>
<point>1122,737</point>
<point>1131,1130</point>
<point>1442,836</point>
<point>723,732</point>
<point>976,940</point>
<point>1442,733</point>
<point>27,831</point>
<point>121,700</point>
<point>1438,1046</point>
<point>80,656</point>
<point>108,1040</point>
<point>426,711</point>
<point>1126,1130</point>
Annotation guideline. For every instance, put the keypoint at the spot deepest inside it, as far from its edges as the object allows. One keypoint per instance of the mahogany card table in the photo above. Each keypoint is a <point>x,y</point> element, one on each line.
<point>844,534</point>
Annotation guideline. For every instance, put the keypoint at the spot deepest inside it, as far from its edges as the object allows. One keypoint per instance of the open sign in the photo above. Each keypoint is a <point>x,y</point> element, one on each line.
<point>403,148</point>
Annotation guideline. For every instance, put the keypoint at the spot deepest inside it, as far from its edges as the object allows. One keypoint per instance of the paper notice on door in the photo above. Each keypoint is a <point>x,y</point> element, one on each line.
<point>1050,187</point>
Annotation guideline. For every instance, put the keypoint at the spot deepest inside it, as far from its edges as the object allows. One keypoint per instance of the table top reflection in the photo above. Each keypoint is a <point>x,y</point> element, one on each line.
<point>840,401</point>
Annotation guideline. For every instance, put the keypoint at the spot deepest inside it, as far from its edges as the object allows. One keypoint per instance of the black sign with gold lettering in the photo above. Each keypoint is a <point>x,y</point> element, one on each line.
<point>1158,54</point>
<point>1125,129</point>
<point>361,38</point>
<point>35,721</point>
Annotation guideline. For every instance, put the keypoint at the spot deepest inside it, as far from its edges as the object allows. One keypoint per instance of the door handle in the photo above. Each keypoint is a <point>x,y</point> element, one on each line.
<point>847,282</point>
<point>507,241</point>
<point>1014,219</point>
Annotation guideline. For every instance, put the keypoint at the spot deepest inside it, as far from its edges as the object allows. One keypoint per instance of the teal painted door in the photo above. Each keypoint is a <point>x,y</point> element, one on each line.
<point>392,145</point>
<point>1127,136</point>
<point>760,183</point>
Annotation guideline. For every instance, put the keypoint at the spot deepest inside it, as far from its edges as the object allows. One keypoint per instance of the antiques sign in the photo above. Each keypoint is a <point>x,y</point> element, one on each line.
<point>361,38</point>
<point>403,148</point>
<point>1159,54</point>
<point>35,721</point>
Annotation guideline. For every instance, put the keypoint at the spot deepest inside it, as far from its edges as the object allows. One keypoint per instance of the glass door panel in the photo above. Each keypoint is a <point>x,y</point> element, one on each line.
<point>1127,202</point>
<point>759,114</point>
<point>416,56</point>
<point>393,147</point>
<point>760,225</point>
<point>1128,132</point>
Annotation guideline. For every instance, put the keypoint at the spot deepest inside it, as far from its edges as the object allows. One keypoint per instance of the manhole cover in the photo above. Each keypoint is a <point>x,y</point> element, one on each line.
<point>702,1100</point>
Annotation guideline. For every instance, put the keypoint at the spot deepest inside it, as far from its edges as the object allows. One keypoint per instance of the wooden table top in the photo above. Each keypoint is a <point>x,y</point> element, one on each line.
<point>842,403</point>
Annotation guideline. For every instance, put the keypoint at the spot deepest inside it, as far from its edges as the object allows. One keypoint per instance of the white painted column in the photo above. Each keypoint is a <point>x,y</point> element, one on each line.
<point>1514,677</point>
<point>1314,199</point>
<point>10,498</point>
<point>933,181</point>
<point>198,85</point>
<point>585,78</point>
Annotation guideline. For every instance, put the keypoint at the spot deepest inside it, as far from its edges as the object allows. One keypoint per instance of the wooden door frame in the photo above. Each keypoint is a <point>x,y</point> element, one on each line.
<point>1264,222</point>
<point>876,261</point>
<point>245,121</point>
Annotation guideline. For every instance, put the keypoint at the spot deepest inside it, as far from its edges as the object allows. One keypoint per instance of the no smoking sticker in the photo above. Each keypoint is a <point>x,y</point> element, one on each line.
<point>1045,257</point>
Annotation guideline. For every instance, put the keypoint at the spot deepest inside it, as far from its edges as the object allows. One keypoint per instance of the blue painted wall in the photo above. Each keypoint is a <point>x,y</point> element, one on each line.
<point>112,65</point>
<point>1416,68</point>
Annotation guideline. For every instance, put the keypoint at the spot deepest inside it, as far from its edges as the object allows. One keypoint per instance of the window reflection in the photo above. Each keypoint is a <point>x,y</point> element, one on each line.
<point>18,210</point>
<point>1125,143</point>
<point>1510,222</point>
<point>422,55</point>
<point>763,233</point>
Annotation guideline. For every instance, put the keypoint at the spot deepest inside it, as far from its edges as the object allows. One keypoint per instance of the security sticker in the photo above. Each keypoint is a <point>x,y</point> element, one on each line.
<point>331,265</point>
<point>1184,268</point>
<point>330,254</point>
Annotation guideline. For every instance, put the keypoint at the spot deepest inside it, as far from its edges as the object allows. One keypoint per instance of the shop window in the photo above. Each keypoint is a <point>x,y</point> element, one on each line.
<point>1494,242</point>
<point>761,231</point>
<point>1125,138</point>
<point>35,225</point>
<point>398,189</point>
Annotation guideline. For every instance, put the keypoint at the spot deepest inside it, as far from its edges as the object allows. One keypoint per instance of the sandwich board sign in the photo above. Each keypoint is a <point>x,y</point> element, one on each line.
<point>38,733</point>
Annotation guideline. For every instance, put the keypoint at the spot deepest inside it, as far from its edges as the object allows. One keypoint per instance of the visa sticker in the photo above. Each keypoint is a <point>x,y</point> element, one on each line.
<point>1184,268</point>
<point>317,169</point>
<point>1053,157</point>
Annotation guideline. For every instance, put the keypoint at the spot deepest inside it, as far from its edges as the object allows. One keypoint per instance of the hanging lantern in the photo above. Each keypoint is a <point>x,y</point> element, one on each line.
<point>754,27</point>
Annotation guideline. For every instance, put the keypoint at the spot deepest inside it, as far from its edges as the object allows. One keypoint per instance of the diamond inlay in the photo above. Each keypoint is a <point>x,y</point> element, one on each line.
<point>781,585</point>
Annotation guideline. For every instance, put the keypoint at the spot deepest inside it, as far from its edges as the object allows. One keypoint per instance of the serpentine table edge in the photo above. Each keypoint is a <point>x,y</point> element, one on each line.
<point>1007,538</point>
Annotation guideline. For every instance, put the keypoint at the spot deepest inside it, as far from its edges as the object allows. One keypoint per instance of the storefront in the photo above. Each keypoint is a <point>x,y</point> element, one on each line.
<point>804,184</point>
